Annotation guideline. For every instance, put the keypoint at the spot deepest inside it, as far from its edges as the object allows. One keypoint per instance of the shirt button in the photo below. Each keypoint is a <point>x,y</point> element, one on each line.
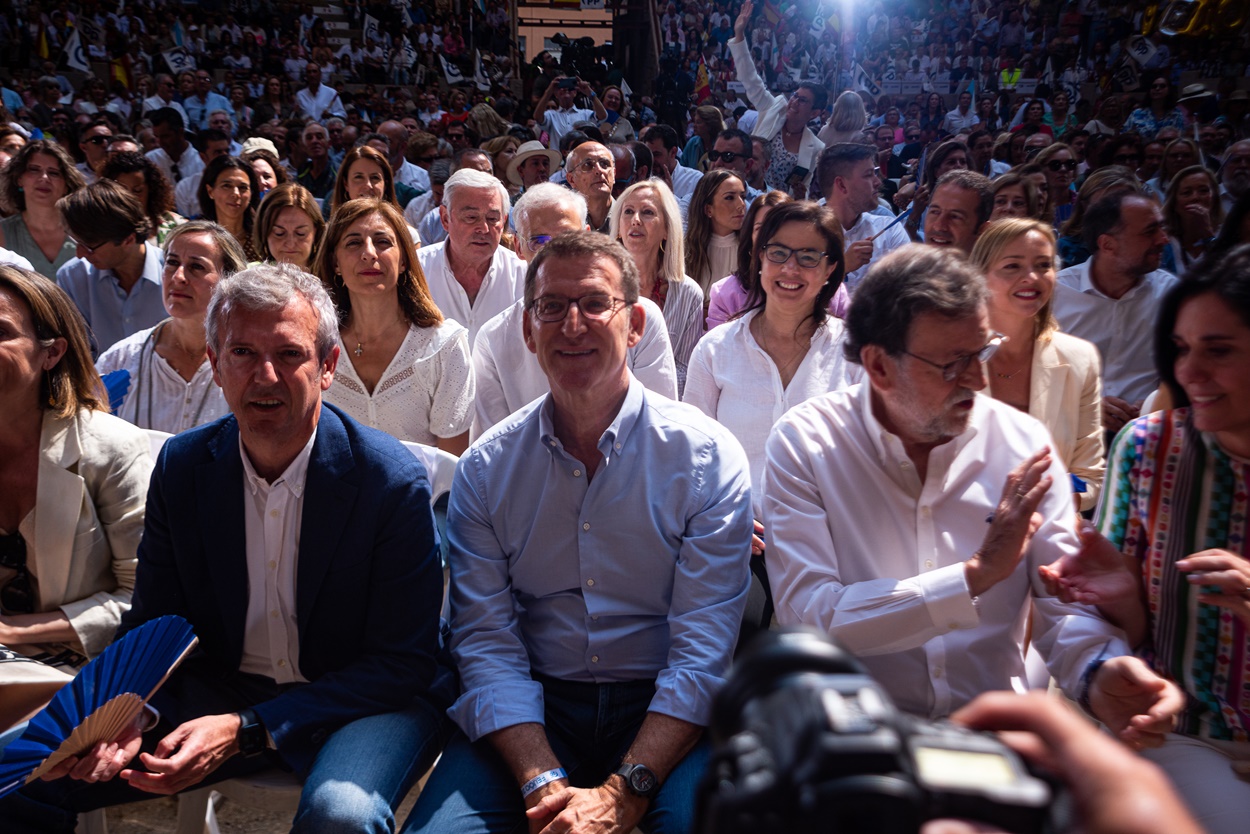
<point>273,563</point>
<point>928,563</point>
<point>586,525</point>
<point>188,400</point>
<point>590,582</point>
<point>594,617</point>
<point>926,512</point>
<point>594,658</point>
<point>617,447</point>
<point>274,513</point>
<point>905,465</point>
<point>273,613</point>
<point>577,473</point>
<point>282,664</point>
<point>937,672</point>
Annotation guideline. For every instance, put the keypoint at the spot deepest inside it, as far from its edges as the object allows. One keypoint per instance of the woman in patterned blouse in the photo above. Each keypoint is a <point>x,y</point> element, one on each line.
<point>1175,509</point>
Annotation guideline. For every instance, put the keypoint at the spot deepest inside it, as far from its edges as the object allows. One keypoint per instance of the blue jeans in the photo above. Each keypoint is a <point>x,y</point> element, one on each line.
<point>360,776</point>
<point>590,728</point>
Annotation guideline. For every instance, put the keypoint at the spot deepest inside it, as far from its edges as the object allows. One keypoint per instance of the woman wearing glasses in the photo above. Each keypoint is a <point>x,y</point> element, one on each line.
<point>1058,164</point>
<point>647,222</point>
<point>1050,375</point>
<point>403,368</point>
<point>74,479</point>
<point>1158,111</point>
<point>1193,213</point>
<point>37,176</point>
<point>783,120</point>
<point>784,348</point>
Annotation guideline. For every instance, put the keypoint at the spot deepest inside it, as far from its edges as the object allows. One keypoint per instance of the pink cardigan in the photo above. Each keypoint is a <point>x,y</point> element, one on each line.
<point>728,298</point>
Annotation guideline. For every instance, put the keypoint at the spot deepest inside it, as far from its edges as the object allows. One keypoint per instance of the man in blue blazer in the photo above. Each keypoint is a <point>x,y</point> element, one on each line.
<point>301,547</point>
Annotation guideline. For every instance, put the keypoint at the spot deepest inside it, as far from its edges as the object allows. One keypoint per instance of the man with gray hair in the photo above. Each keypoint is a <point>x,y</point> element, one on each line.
<point>472,278</point>
<point>600,542</point>
<point>907,516</point>
<point>300,546</point>
<point>508,378</point>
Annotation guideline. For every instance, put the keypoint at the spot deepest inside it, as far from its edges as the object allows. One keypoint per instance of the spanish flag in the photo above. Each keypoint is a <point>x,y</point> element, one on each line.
<point>701,87</point>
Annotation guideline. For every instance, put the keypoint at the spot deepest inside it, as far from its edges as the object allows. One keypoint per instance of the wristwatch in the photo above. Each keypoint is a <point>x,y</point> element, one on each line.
<point>252,737</point>
<point>640,780</point>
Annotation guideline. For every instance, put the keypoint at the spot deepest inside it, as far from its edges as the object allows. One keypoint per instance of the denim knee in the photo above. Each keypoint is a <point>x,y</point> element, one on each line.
<point>341,807</point>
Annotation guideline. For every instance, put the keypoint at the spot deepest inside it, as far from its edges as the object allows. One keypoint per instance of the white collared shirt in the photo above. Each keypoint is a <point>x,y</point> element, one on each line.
<point>558,122</point>
<point>508,376</point>
<point>866,226</point>
<point>684,181</point>
<point>272,514</point>
<point>1122,329</point>
<point>861,549</point>
<point>732,380</point>
<point>320,105</point>
<point>413,175</point>
<point>189,163</point>
<point>504,283</point>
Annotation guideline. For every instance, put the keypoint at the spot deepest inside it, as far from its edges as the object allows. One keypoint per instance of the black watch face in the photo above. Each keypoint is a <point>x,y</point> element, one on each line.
<point>642,781</point>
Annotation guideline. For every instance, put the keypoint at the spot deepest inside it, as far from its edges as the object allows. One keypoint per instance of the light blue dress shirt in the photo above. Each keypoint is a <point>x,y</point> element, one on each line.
<point>111,313</point>
<point>641,573</point>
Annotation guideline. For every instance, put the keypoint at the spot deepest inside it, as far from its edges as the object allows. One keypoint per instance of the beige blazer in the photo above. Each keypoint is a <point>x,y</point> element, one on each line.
<point>89,502</point>
<point>1066,395</point>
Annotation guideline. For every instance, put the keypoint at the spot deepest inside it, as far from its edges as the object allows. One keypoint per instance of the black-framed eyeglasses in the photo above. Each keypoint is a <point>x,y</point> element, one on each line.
<point>1127,159</point>
<point>727,157</point>
<point>913,137</point>
<point>951,371</point>
<point>1057,165</point>
<point>91,250</point>
<point>597,306</point>
<point>806,258</point>
<point>98,139</point>
<point>17,596</point>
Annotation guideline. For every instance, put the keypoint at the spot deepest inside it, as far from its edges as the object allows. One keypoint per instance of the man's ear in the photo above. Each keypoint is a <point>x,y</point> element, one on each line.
<point>881,368</point>
<point>637,324</point>
<point>527,332</point>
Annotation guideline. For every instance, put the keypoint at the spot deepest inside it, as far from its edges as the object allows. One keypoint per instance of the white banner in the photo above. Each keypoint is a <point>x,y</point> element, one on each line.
<point>409,56</point>
<point>1141,50</point>
<point>479,77</point>
<point>1127,76</point>
<point>75,56</point>
<point>861,81</point>
<point>91,31</point>
<point>450,71</point>
<point>178,60</point>
<point>373,30</point>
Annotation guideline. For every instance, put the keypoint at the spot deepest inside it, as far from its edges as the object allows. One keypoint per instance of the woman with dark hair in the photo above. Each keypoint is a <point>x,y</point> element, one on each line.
<point>784,348</point>
<point>1015,195</point>
<point>951,155</point>
<point>728,296</point>
<point>75,480</point>
<point>987,113</point>
<point>713,219</point>
<point>707,123</point>
<point>1123,150</point>
<point>144,178</point>
<point>1236,228</point>
<point>274,103</point>
<point>229,195</point>
<point>289,227</point>
<point>38,176</point>
<point>1176,570</point>
<point>270,172</point>
<point>365,174</point>
<point>168,382</point>
<point>1158,111</point>
<point>1177,154</point>
<point>933,115</point>
<point>402,368</point>
<point>1058,164</point>
<point>1192,213</point>
<point>1034,115</point>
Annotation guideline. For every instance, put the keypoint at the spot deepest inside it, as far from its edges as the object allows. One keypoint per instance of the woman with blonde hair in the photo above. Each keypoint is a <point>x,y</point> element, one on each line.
<point>1039,370</point>
<point>289,227</point>
<point>75,481</point>
<point>403,368</point>
<point>501,150</point>
<point>1193,213</point>
<point>846,123</point>
<point>647,221</point>
<point>713,219</point>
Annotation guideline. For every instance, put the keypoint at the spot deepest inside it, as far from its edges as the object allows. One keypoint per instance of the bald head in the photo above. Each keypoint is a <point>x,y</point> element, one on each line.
<point>397,139</point>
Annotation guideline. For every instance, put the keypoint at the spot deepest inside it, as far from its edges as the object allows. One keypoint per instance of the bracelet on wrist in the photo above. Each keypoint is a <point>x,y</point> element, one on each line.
<point>544,778</point>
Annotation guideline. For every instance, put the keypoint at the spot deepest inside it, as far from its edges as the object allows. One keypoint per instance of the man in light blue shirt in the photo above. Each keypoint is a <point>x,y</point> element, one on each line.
<point>600,541</point>
<point>200,104</point>
<point>116,278</point>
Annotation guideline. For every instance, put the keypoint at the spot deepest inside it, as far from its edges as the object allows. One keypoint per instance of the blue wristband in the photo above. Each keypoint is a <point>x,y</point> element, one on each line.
<point>542,779</point>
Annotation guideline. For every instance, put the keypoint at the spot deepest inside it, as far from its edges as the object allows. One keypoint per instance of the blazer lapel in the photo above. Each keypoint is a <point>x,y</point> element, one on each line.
<point>58,497</point>
<point>223,531</point>
<point>329,501</point>
<point>1049,371</point>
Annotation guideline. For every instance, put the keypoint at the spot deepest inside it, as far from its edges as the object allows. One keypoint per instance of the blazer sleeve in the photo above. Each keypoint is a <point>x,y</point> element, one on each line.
<point>744,68</point>
<point>1089,461</point>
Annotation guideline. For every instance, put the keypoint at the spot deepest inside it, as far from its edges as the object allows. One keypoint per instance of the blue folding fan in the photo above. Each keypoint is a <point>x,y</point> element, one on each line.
<point>101,701</point>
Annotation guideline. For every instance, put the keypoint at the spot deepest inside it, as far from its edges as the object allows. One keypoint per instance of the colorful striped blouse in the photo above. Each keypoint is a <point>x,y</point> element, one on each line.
<point>1171,491</point>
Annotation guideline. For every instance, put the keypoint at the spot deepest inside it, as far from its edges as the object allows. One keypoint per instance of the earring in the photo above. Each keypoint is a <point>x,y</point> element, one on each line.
<point>51,394</point>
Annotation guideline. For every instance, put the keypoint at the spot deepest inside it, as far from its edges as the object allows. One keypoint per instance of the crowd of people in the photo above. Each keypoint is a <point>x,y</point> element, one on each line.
<point>763,332</point>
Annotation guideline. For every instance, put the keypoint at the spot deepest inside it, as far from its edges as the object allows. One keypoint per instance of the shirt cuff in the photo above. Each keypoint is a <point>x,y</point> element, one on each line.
<point>948,599</point>
<point>486,709</point>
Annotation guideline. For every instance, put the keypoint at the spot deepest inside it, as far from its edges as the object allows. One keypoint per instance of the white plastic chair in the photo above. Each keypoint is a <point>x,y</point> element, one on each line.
<point>275,790</point>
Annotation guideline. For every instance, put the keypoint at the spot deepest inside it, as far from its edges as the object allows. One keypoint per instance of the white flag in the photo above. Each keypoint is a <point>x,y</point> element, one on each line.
<point>1141,50</point>
<point>179,59</point>
<point>479,77</point>
<point>410,53</point>
<point>75,58</point>
<point>625,91</point>
<point>861,81</point>
<point>1048,74</point>
<point>373,30</point>
<point>450,71</point>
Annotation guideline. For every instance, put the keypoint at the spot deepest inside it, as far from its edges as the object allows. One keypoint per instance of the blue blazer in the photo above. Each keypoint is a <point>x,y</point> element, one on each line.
<point>368,587</point>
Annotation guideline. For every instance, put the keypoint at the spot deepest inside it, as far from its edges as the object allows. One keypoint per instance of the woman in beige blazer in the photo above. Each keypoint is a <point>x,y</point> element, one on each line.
<point>73,479</point>
<point>1055,377</point>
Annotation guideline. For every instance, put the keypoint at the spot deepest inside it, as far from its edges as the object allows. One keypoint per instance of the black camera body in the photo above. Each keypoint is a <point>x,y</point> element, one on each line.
<point>805,741</point>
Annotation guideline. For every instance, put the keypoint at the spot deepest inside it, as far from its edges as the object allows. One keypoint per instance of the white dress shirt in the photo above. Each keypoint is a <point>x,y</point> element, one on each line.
<point>558,122</point>
<point>187,194</point>
<point>956,120</point>
<point>861,549</point>
<point>425,393</point>
<point>189,163</point>
<point>684,181</point>
<point>732,380</point>
<point>868,225</point>
<point>508,376</point>
<point>1122,329</point>
<point>321,104</point>
<point>156,103</point>
<point>417,209</point>
<point>272,514</point>
<point>504,283</point>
